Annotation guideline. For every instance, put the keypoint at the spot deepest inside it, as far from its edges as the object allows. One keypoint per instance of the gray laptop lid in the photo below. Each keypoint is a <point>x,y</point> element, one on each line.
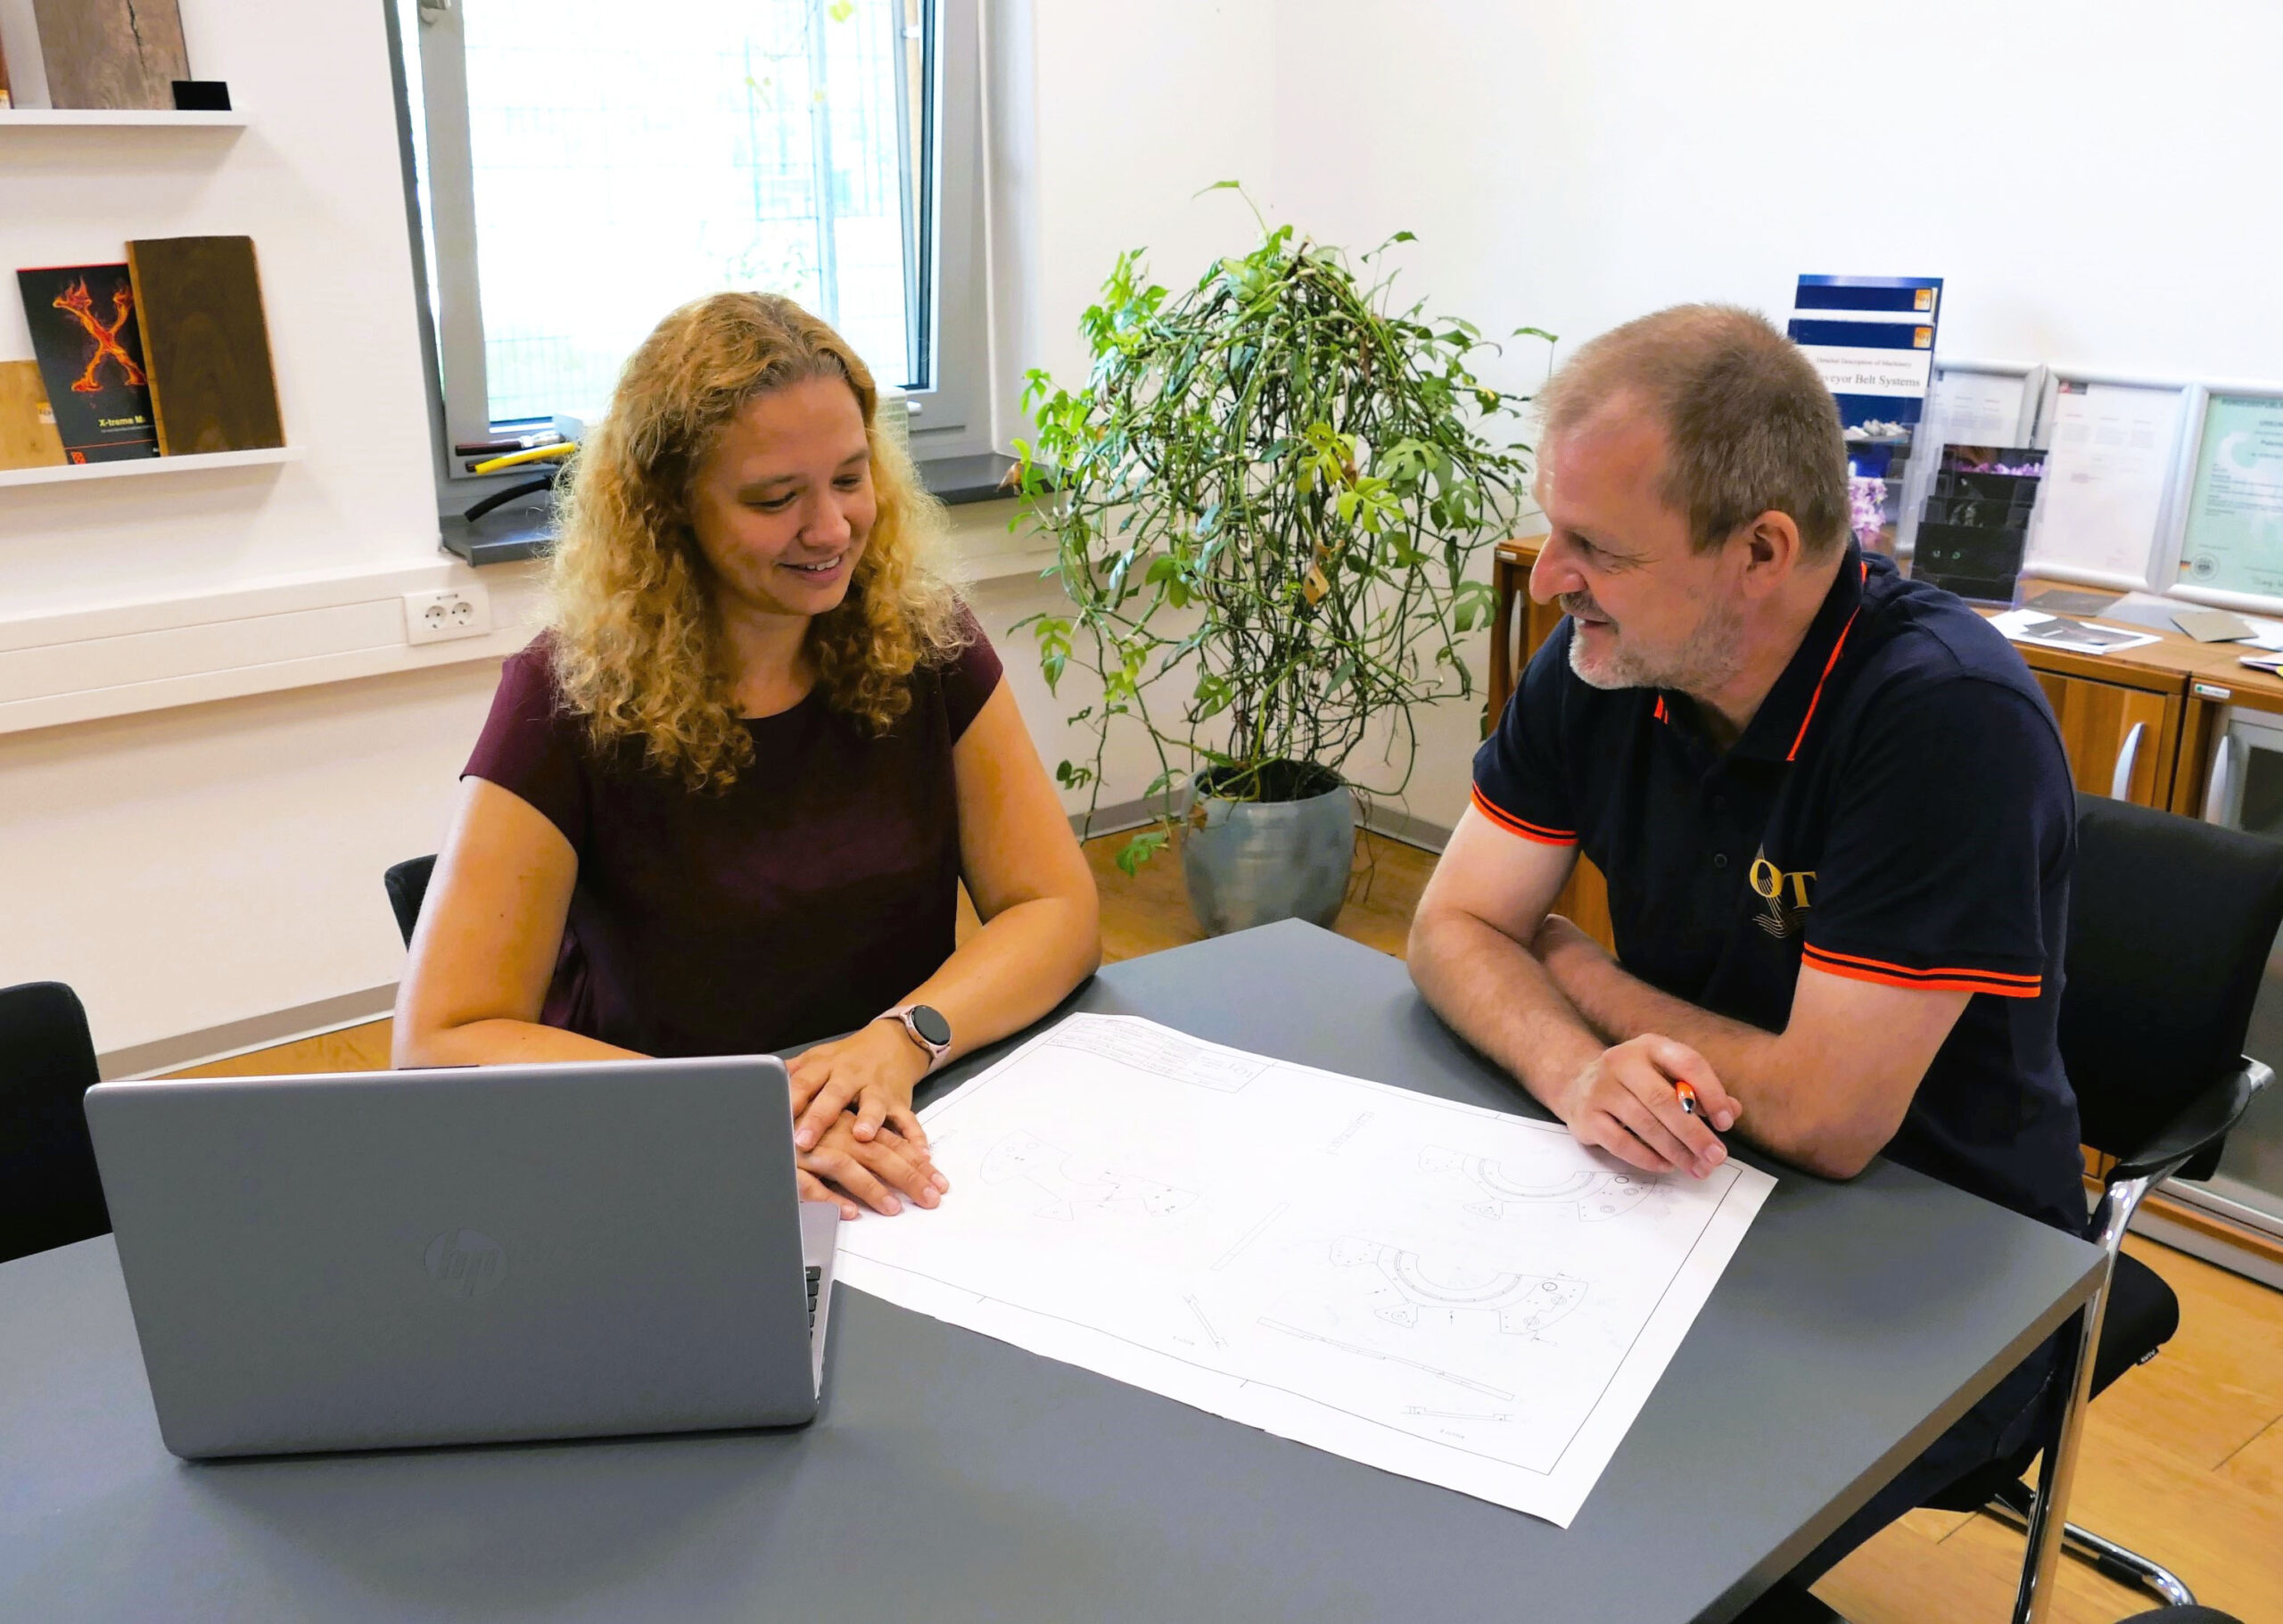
<point>383,1258</point>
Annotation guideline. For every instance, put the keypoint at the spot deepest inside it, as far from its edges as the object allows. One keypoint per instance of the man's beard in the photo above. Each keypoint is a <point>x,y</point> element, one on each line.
<point>1703,664</point>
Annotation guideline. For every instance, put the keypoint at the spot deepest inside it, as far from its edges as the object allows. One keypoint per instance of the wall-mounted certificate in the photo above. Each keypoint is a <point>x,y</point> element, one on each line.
<point>2231,511</point>
<point>2112,443</point>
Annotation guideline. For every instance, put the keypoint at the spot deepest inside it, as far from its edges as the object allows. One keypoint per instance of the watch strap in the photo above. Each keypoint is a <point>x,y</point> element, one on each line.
<point>903,1017</point>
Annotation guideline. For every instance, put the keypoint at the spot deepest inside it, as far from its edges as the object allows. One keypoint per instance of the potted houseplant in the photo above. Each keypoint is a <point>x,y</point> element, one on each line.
<point>1267,500</point>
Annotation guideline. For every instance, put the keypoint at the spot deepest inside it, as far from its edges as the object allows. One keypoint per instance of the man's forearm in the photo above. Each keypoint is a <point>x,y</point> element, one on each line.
<point>1491,992</point>
<point>1782,1109</point>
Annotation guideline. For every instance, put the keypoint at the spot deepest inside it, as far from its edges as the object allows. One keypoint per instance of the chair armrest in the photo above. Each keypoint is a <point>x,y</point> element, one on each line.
<point>2199,1127</point>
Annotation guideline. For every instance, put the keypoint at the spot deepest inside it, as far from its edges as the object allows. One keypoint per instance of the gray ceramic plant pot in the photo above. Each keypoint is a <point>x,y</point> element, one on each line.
<point>1250,862</point>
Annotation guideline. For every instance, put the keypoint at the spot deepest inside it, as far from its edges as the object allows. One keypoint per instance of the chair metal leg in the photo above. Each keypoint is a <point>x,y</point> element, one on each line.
<point>2017,1500</point>
<point>2071,1390</point>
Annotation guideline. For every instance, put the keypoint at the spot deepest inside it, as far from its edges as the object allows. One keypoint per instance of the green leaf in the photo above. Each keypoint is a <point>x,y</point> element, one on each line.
<point>1214,695</point>
<point>841,10</point>
<point>1139,850</point>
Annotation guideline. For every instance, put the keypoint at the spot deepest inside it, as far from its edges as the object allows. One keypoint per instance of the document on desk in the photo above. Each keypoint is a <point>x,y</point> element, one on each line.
<point>1458,1295</point>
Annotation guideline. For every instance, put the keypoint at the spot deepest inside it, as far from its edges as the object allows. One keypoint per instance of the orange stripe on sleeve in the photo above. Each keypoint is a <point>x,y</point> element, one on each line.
<point>1945,979</point>
<point>1516,826</point>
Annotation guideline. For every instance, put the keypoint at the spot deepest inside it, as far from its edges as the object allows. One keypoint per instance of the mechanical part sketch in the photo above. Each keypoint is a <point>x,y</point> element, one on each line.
<point>1270,1242</point>
<point>1070,1181</point>
<point>1598,1193</point>
<point>1521,1303</point>
<point>1155,1049</point>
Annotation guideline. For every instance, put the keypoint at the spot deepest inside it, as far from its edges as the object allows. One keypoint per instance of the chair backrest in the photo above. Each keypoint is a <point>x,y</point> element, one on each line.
<point>50,1194</point>
<point>2170,923</point>
<point>407,887</point>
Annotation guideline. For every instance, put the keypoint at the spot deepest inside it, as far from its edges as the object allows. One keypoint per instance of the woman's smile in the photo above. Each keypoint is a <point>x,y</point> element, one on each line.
<point>826,571</point>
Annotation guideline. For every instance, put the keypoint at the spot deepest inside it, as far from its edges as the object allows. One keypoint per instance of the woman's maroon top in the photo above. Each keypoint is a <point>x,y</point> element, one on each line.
<point>815,893</point>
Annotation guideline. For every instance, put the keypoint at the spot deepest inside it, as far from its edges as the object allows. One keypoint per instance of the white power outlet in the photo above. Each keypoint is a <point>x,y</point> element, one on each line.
<point>440,617</point>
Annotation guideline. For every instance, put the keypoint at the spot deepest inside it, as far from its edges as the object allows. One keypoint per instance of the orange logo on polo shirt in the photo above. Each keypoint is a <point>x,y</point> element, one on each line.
<point>1785,893</point>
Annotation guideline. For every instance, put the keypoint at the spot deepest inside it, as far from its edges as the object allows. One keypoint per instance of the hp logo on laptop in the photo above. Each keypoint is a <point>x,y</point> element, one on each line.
<point>466,1263</point>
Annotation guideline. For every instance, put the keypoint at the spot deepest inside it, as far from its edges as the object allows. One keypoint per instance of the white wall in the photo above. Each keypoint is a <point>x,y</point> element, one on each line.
<point>2085,176</point>
<point>188,869</point>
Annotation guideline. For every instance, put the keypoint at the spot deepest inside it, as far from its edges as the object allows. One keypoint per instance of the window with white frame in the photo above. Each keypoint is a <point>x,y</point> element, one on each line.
<point>581,167</point>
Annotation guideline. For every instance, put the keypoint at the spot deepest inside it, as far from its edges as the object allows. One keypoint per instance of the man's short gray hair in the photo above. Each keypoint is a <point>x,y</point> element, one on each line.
<point>1748,425</point>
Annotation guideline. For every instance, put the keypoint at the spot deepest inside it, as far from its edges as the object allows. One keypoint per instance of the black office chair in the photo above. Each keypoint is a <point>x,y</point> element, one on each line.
<point>407,888</point>
<point>49,1193</point>
<point>2171,924</point>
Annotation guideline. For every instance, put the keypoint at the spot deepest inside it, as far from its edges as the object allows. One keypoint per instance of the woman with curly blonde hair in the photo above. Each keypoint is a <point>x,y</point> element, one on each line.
<point>724,804</point>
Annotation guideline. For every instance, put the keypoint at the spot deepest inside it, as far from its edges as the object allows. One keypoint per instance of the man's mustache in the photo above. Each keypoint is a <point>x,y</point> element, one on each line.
<point>1580,605</point>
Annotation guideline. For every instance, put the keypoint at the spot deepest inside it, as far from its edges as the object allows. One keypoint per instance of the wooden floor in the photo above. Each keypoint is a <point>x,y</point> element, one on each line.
<point>2183,1458</point>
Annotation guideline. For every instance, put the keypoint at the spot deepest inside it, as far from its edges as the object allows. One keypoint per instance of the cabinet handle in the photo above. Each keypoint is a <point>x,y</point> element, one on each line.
<point>2216,793</point>
<point>2120,783</point>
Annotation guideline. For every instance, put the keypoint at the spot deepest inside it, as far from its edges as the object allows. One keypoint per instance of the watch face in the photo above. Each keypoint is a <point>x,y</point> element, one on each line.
<point>930,1025</point>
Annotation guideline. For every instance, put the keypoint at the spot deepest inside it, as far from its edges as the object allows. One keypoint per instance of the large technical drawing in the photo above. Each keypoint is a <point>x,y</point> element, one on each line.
<point>1443,1290</point>
<point>1070,1183</point>
<point>1596,1193</point>
<point>1521,1303</point>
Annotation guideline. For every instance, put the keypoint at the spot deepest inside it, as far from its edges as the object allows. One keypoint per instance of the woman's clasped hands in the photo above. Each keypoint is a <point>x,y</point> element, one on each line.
<point>855,1132</point>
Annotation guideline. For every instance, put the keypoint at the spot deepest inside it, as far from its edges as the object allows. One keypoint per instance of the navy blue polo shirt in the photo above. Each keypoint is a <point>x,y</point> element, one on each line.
<point>1900,809</point>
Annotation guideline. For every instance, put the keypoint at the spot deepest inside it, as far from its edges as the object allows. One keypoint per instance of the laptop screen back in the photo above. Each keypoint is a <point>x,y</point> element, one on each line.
<point>473,1254</point>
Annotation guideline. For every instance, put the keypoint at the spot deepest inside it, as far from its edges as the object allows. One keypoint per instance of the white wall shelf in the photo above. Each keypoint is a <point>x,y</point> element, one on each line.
<point>95,117</point>
<point>70,472</point>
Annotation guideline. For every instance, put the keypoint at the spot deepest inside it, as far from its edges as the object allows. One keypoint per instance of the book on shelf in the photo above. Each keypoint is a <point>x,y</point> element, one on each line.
<point>28,436</point>
<point>1872,341</point>
<point>112,54</point>
<point>212,386</point>
<point>90,351</point>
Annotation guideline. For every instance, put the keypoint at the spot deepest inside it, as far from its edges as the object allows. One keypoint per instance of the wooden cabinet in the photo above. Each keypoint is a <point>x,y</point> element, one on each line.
<point>2122,739</point>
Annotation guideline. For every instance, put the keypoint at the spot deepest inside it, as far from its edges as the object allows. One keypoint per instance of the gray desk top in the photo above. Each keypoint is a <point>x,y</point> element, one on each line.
<point>955,1478</point>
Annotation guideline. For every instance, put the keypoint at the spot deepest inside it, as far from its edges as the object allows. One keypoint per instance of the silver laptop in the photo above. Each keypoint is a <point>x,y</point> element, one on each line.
<point>372,1259</point>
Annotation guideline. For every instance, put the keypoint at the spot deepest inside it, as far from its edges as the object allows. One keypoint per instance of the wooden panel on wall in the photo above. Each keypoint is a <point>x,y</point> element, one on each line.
<point>206,343</point>
<point>28,436</point>
<point>113,54</point>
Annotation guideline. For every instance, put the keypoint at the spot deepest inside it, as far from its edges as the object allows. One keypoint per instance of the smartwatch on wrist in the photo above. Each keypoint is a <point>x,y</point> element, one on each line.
<point>925,1026</point>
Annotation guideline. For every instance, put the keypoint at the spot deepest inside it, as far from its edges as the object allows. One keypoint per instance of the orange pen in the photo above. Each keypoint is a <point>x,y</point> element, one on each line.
<point>1689,1103</point>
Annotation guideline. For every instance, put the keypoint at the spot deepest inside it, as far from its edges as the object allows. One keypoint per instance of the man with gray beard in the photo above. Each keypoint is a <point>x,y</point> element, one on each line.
<point>1831,805</point>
